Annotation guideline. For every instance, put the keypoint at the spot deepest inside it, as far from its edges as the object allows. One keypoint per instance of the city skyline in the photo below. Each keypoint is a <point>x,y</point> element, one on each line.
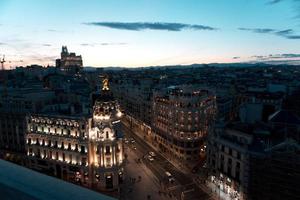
<point>144,33</point>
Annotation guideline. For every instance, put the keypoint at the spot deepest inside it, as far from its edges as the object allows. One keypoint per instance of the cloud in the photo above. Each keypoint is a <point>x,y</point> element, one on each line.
<point>295,6</point>
<point>258,30</point>
<point>236,57</point>
<point>46,45</point>
<point>274,1</point>
<point>290,56</point>
<point>286,55</point>
<point>52,30</point>
<point>103,44</point>
<point>286,33</point>
<point>293,37</point>
<point>138,26</point>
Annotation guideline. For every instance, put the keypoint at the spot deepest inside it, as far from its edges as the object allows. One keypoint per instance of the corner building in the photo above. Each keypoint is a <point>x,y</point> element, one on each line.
<point>84,150</point>
<point>182,117</point>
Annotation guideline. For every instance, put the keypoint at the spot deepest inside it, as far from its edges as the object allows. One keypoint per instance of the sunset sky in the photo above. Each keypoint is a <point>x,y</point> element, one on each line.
<point>136,33</point>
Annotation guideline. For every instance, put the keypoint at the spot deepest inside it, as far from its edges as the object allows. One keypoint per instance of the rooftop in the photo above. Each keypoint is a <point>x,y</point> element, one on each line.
<point>17,182</point>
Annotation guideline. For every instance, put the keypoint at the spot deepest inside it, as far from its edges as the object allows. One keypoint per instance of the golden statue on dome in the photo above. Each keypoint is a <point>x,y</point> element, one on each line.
<point>105,84</point>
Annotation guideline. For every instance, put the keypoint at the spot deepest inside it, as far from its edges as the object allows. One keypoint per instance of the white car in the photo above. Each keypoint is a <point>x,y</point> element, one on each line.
<point>150,158</point>
<point>151,153</point>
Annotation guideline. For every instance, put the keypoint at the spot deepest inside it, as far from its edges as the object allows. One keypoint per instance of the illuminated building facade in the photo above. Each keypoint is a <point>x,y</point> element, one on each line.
<point>182,117</point>
<point>85,150</point>
<point>69,62</point>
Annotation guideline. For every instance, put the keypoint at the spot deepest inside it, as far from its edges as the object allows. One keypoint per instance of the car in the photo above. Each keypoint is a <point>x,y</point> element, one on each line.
<point>150,158</point>
<point>171,179</point>
<point>134,147</point>
<point>151,153</point>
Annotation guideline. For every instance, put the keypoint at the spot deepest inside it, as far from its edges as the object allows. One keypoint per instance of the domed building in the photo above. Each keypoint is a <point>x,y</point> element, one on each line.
<point>86,150</point>
<point>106,141</point>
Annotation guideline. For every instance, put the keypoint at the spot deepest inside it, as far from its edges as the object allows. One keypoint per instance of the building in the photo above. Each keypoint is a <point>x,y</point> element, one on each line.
<point>69,62</point>
<point>135,97</point>
<point>254,161</point>
<point>275,174</point>
<point>182,117</point>
<point>227,161</point>
<point>87,150</point>
<point>14,106</point>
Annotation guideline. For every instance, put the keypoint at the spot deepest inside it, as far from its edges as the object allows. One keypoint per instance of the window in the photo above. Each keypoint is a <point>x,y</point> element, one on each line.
<point>238,165</point>
<point>237,175</point>
<point>230,151</point>
<point>229,170</point>
<point>229,161</point>
<point>82,149</point>
<point>108,164</point>
<point>107,149</point>
<point>64,157</point>
<point>238,155</point>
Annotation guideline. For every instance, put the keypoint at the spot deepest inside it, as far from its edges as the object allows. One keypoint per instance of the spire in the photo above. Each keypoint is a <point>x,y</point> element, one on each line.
<point>64,51</point>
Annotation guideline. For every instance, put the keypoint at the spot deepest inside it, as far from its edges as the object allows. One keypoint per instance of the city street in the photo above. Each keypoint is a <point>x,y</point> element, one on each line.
<point>135,188</point>
<point>158,167</point>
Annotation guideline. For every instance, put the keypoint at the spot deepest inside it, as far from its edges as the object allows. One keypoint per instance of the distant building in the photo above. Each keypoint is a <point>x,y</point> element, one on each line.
<point>69,62</point>
<point>85,150</point>
<point>260,105</point>
<point>182,117</point>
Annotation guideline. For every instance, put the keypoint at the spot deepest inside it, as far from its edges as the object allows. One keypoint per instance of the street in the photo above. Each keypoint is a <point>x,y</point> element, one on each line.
<point>139,149</point>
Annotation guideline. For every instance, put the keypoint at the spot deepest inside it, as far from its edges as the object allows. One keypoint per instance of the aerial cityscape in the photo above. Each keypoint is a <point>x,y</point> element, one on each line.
<point>154,100</point>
